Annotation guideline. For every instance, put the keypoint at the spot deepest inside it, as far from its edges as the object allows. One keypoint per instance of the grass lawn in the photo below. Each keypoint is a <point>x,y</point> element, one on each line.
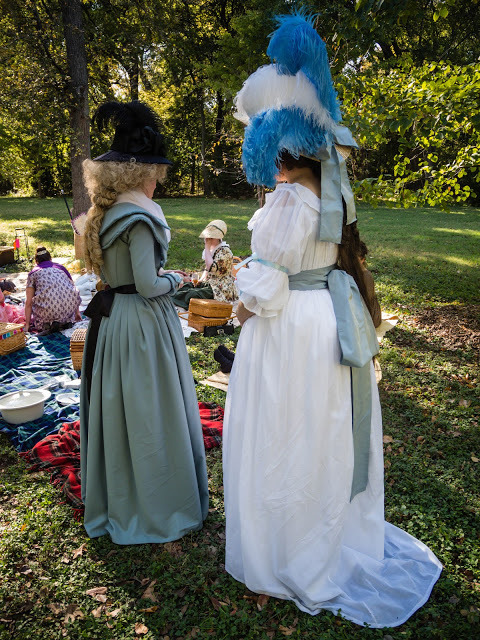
<point>426,266</point>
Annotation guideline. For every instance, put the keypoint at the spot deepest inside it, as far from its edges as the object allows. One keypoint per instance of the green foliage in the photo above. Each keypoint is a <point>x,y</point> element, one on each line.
<point>407,73</point>
<point>421,128</point>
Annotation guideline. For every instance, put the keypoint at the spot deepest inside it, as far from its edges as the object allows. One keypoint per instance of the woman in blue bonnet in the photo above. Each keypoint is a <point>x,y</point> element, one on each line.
<point>303,455</point>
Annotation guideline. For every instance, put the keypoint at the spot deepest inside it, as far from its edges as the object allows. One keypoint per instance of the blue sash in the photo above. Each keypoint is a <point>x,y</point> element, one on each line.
<point>358,344</point>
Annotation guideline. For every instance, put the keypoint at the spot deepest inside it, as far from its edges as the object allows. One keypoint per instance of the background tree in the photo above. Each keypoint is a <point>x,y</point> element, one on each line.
<point>406,71</point>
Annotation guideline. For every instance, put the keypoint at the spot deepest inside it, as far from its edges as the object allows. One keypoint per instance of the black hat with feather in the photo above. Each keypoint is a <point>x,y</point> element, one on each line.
<point>137,138</point>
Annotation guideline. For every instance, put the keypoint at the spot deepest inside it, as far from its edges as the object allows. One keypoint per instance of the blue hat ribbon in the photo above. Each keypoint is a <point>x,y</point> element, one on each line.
<point>335,186</point>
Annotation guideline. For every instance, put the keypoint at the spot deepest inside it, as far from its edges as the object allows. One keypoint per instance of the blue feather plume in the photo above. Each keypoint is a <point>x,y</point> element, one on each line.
<point>295,45</point>
<point>272,131</point>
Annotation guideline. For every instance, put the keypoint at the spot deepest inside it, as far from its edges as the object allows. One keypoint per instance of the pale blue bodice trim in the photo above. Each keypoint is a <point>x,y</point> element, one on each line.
<point>267,263</point>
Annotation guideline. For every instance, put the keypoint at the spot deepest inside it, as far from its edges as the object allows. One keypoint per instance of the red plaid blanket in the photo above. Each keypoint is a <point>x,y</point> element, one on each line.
<point>211,416</point>
<point>59,453</point>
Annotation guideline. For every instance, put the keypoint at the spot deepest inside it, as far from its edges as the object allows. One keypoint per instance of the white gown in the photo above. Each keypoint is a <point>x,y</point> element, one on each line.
<point>292,531</point>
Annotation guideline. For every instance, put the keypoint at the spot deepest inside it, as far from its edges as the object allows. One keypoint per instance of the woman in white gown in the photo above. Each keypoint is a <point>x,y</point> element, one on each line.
<point>295,528</point>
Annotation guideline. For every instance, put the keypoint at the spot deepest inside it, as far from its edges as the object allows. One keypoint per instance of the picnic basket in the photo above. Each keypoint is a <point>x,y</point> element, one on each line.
<point>210,308</point>
<point>77,342</point>
<point>208,313</point>
<point>12,337</point>
<point>206,317</point>
<point>200,322</point>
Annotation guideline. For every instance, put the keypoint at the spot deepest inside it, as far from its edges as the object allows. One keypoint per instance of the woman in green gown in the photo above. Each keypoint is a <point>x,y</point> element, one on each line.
<point>143,469</point>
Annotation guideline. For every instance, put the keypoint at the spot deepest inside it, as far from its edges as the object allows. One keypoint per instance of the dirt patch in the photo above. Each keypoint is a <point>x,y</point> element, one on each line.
<point>458,326</point>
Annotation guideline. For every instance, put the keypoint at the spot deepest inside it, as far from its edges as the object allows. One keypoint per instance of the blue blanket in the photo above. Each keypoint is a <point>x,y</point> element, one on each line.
<point>34,366</point>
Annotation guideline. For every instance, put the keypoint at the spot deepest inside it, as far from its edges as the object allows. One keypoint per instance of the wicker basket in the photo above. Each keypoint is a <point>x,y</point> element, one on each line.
<point>77,342</point>
<point>200,322</point>
<point>12,337</point>
<point>210,308</point>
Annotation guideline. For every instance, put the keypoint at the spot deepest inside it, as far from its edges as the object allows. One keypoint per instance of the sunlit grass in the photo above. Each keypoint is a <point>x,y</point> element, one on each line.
<point>430,406</point>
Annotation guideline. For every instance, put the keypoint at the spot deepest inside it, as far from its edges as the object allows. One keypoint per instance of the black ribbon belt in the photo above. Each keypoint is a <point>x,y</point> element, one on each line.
<point>98,308</point>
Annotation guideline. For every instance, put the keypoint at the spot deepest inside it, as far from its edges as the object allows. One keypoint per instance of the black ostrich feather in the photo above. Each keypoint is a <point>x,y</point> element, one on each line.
<point>137,132</point>
<point>126,117</point>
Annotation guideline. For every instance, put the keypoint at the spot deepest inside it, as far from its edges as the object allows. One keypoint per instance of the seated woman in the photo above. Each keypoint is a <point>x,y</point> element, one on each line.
<point>216,281</point>
<point>52,301</point>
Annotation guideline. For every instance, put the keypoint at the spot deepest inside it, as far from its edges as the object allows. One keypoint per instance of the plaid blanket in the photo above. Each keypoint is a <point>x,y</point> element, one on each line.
<point>59,454</point>
<point>38,364</point>
<point>211,416</point>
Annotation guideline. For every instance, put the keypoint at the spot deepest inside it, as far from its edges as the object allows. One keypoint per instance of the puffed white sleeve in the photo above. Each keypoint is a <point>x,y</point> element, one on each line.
<point>280,232</point>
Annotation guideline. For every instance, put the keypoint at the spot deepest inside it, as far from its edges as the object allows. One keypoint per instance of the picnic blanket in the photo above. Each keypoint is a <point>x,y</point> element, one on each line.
<point>42,362</point>
<point>59,454</point>
<point>211,416</point>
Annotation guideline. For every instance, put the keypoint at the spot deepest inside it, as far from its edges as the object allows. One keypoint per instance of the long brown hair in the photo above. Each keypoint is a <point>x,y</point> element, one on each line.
<point>349,252</point>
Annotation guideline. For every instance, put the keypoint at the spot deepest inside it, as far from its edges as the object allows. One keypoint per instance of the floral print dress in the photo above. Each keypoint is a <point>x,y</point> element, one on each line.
<point>220,276</point>
<point>56,298</point>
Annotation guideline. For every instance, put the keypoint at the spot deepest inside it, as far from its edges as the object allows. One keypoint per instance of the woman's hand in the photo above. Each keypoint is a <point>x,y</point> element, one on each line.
<point>185,280</point>
<point>161,271</point>
<point>243,314</point>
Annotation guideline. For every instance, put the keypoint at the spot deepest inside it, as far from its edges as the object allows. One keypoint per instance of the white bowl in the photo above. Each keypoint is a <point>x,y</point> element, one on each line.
<point>23,406</point>
<point>68,398</point>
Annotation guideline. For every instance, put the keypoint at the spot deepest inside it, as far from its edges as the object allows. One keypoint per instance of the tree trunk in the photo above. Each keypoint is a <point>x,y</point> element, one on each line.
<point>78,106</point>
<point>206,186</point>
<point>133,71</point>
<point>386,50</point>
<point>260,196</point>
<point>220,116</point>
<point>192,176</point>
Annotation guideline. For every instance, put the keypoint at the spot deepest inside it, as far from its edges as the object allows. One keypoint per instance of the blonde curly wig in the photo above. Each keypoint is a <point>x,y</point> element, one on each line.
<point>104,182</point>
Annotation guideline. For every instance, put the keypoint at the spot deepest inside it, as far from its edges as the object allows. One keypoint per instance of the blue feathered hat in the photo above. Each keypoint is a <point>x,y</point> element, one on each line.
<point>292,105</point>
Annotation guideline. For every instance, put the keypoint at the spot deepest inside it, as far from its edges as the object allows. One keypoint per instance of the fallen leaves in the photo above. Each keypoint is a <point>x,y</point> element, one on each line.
<point>288,631</point>
<point>55,608</point>
<point>98,593</point>
<point>140,629</point>
<point>79,551</point>
<point>25,570</point>
<point>96,613</point>
<point>387,439</point>
<point>72,613</point>
<point>149,594</point>
<point>216,604</point>
<point>102,610</point>
<point>150,609</point>
<point>262,601</point>
<point>174,549</point>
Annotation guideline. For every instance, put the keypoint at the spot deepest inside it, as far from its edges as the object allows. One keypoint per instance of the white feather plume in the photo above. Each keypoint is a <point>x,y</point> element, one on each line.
<point>267,89</point>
